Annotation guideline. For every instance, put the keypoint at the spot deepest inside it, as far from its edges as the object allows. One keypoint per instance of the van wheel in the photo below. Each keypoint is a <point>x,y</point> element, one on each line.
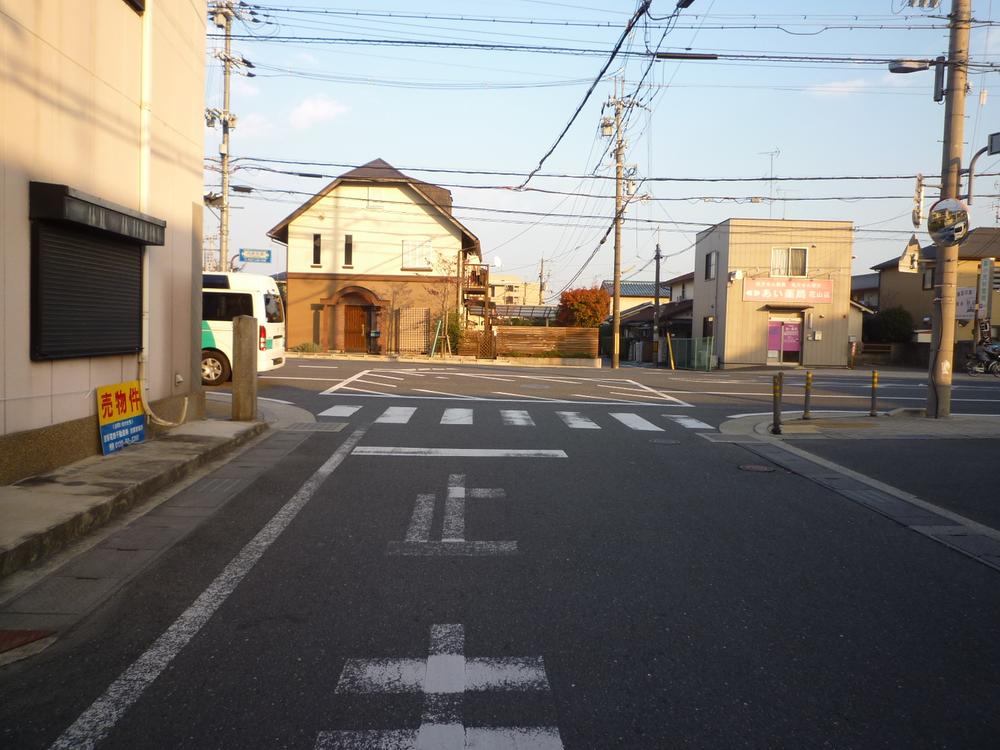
<point>215,368</point>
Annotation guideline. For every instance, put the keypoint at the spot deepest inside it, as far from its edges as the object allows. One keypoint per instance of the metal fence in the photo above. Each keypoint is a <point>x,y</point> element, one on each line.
<point>413,330</point>
<point>694,354</point>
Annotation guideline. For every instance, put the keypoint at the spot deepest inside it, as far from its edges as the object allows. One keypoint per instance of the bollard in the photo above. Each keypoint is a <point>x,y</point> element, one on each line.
<point>807,403</point>
<point>245,345</point>
<point>874,411</point>
<point>776,391</point>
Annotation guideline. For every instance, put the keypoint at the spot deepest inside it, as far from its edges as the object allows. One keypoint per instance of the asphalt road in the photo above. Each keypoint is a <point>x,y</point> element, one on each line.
<point>573,565</point>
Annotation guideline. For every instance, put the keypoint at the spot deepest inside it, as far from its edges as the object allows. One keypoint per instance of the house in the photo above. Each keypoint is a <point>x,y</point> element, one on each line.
<point>911,285</point>
<point>101,200</point>
<point>374,258</point>
<point>508,289</point>
<point>864,289</point>
<point>637,328</point>
<point>680,287</point>
<point>635,293</point>
<point>774,291</point>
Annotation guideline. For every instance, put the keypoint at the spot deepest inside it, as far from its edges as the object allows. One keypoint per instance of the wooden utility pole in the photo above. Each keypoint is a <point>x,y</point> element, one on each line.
<point>946,269</point>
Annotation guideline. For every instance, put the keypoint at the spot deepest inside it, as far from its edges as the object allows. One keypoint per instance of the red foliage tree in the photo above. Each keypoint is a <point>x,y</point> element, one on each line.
<point>583,308</point>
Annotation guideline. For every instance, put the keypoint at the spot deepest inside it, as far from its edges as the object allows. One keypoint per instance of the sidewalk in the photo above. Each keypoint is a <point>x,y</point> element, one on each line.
<point>897,424</point>
<point>43,514</point>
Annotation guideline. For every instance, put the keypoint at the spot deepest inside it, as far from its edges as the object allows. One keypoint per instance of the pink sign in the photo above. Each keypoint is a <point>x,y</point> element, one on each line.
<point>803,291</point>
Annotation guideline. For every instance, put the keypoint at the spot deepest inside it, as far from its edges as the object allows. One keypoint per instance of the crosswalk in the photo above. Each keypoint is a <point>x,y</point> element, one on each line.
<point>574,420</point>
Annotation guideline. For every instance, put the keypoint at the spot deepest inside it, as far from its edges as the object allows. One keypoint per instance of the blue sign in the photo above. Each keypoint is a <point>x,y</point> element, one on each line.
<point>251,255</point>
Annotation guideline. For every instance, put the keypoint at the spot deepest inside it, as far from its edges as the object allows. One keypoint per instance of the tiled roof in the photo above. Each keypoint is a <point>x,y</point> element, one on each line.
<point>636,288</point>
<point>982,242</point>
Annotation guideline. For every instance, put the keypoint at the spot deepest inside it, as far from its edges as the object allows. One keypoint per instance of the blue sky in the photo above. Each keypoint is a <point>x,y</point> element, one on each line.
<point>480,111</point>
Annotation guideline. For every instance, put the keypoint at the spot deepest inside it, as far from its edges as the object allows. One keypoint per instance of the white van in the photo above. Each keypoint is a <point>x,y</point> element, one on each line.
<point>223,297</point>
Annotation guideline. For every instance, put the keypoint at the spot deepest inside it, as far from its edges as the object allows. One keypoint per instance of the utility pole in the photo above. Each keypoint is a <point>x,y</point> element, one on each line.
<point>224,20</point>
<point>656,304</point>
<point>946,269</point>
<point>541,280</point>
<point>616,300</point>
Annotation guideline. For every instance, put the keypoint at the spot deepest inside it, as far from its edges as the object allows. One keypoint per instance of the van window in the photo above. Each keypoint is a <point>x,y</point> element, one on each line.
<point>225,305</point>
<point>272,308</point>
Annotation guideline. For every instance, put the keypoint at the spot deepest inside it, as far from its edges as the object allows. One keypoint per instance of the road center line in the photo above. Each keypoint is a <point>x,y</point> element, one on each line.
<point>99,719</point>
<point>378,450</point>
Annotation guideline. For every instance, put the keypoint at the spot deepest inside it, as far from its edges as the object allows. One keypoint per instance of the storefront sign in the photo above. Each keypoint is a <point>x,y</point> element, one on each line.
<point>120,416</point>
<point>805,291</point>
<point>965,303</point>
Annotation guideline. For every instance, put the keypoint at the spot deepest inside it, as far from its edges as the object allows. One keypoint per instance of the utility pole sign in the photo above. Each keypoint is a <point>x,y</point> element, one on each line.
<point>251,255</point>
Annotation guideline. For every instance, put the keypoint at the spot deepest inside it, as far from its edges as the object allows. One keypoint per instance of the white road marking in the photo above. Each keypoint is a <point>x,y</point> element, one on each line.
<point>290,377</point>
<point>577,421</point>
<point>396,415</point>
<point>423,516</point>
<point>318,367</point>
<point>443,678</point>
<point>690,422</point>
<point>457,416</point>
<point>771,413</point>
<point>343,383</point>
<point>442,393</point>
<point>635,422</point>
<point>99,719</point>
<point>619,402</point>
<point>453,529</point>
<point>377,450</point>
<point>451,549</point>
<point>378,383</point>
<point>339,411</point>
<point>521,395</point>
<point>484,377</point>
<point>387,377</point>
<point>553,379</point>
<point>363,390</point>
<point>661,394</point>
<point>516,418</point>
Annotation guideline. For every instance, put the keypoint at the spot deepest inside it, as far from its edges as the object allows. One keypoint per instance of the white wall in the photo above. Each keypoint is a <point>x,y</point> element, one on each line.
<point>71,93</point>
<point>378,218</point>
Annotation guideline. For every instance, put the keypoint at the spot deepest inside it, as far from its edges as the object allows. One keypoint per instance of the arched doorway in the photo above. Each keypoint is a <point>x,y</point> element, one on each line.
<point>352,318</point>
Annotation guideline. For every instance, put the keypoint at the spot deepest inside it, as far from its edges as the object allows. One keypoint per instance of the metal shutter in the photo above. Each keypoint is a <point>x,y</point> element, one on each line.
<point>86,296</point>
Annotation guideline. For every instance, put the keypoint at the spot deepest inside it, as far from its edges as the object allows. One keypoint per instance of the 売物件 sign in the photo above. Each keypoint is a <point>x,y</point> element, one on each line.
<point>120,416</point>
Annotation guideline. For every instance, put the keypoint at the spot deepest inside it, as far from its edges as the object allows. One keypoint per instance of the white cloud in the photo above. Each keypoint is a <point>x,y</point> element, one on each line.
<point>839,88</point>
<point>313,111</point>
<point>253,125</point>
<point>243,87</point>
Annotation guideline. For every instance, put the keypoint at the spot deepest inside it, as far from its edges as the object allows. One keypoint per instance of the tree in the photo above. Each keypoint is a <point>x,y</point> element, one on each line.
<point>891,325</point>
<point>584,308</point>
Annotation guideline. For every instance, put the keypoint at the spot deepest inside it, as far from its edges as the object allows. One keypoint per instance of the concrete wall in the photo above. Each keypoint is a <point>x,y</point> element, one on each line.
<point>72,88</point>
<point>745,248</point>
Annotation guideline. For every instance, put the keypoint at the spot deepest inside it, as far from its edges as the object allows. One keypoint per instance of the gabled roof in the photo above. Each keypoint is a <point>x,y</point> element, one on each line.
<point>680,279</point>
<point>381,172</point>
<point>982,242</point>
<point>636,288</point>
<point>861,281</point>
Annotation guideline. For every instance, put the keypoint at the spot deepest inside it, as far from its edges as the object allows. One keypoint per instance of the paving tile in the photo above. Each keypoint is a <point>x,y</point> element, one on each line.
<point>63,595</point>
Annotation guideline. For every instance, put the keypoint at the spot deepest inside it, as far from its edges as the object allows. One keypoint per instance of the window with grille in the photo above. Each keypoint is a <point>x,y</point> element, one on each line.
<point>788,261</point>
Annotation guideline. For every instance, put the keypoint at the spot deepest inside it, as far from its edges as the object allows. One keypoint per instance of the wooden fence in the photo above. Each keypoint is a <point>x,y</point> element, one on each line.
<point>534,341</point>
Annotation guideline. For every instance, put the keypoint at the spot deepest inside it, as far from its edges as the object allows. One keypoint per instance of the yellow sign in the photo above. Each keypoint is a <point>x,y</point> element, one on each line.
<point>118,402</point>
<point>120,415</point>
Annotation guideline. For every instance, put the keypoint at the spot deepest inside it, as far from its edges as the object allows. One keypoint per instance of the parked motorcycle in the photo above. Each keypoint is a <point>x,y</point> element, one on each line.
<point>976,366</point>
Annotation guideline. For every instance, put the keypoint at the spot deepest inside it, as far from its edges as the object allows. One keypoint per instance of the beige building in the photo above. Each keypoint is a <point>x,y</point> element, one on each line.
<point>775,292</point>
<point>100,217</point>
<point>373,259</point>
<point>911,286</point>
<point>508,289</point>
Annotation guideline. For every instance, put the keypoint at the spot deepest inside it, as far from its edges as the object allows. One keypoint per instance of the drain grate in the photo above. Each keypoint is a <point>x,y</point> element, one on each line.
<point>315,427</point>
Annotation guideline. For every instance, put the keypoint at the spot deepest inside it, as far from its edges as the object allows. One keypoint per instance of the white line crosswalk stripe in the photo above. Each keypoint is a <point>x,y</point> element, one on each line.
<point>339,411</point>
<point>690,422</point>
<point>396,415</point>
<point>457,416</point>
<point>516,418</point>
<point>635,422</point>
<point>575,420</point>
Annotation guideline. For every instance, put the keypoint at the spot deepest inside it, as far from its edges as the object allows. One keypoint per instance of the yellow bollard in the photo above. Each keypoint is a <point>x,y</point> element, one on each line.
<point>874,410</point>
<point>807,403</point>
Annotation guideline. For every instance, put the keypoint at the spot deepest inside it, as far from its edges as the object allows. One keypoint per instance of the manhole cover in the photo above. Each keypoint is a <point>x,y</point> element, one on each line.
<point>665,441</point>
<point>756,467</point>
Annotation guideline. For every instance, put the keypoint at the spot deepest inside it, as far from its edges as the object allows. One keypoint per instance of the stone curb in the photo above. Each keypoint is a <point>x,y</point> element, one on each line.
<point>98,510</point>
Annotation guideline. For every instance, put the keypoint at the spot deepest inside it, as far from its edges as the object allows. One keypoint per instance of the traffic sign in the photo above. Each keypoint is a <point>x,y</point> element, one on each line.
<point>251,255</point>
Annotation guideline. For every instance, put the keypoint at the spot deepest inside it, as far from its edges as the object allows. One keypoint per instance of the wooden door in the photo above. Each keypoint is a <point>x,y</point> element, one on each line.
<point>355,329</point>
